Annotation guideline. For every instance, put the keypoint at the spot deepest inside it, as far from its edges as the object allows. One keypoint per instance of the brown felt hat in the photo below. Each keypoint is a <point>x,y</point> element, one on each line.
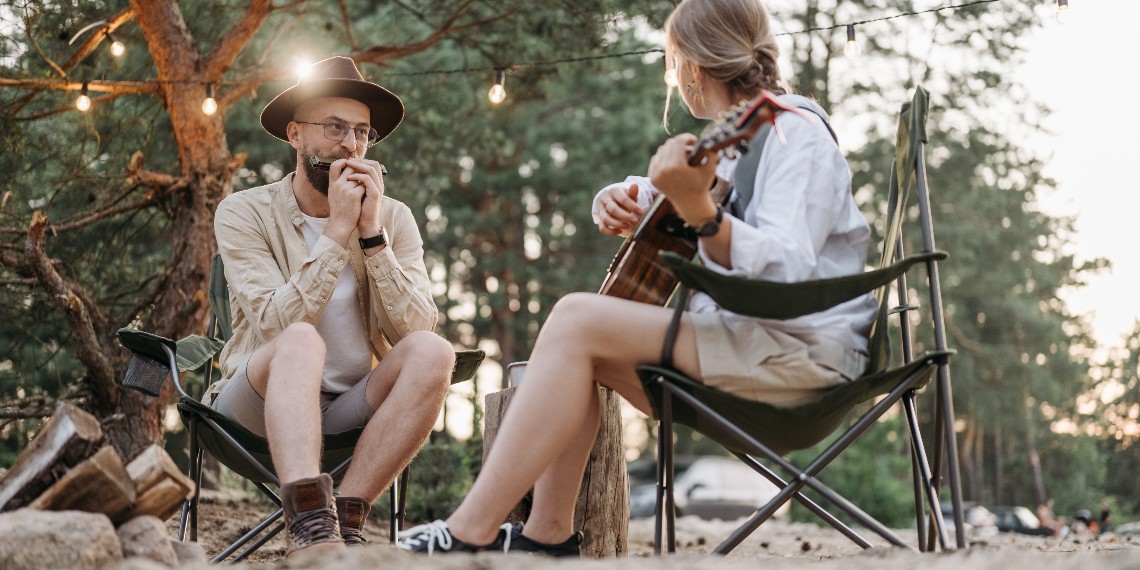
<point>334,77</point>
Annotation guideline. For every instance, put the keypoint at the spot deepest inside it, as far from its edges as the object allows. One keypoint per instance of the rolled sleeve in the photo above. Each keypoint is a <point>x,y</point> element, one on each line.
<point>403,292</point>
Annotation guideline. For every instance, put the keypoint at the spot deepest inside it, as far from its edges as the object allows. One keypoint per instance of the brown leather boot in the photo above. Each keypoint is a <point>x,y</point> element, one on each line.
<point>310,515</point>
<point>352,512</point>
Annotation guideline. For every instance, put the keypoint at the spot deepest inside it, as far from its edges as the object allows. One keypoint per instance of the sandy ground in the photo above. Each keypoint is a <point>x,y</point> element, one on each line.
<point>776,545</point>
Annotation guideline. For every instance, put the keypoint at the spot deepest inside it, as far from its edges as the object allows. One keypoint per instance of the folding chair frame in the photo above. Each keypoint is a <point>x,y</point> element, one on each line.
<point>926,474</point>
<point>189,520</point>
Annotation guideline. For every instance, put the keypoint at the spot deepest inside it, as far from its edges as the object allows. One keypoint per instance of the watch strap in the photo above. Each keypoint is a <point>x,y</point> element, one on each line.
<point>374,241</point>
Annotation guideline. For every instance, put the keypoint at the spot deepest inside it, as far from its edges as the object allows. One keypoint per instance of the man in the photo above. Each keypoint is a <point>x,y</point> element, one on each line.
<point>326,278</point>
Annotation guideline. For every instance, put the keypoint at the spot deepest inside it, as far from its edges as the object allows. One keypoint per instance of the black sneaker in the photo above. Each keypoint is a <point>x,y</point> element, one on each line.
<point>571,547</point>
<point>435,537</point>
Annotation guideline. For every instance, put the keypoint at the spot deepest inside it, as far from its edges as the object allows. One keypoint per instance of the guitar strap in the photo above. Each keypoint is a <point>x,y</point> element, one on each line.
<point>744,177</point>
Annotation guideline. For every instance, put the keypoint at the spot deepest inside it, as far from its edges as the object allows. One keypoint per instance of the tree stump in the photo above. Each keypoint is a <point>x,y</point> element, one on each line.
<point>602,510</point>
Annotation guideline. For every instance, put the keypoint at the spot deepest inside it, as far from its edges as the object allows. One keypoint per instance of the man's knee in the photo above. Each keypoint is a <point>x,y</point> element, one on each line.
<point>429,351</point>
<point>301,338</point>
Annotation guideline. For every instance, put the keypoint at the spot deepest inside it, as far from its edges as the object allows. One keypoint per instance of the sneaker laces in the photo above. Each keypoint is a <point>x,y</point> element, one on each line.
<point>432,534</point>
<point>435,534</point>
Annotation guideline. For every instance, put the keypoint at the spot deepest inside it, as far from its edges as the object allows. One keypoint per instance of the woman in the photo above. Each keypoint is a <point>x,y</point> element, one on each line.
<point>800,224</point>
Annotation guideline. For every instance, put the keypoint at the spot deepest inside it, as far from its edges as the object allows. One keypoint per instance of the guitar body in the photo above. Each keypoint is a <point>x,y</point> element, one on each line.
<point>636,272</point>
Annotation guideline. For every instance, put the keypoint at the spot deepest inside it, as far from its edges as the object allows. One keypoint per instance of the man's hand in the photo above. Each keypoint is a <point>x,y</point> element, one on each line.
<point>618,211</point>
<point>345,195</point>
<point>367,173</point>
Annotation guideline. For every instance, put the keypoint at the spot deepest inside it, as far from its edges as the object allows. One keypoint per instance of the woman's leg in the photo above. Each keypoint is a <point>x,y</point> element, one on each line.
<point>553,417</point>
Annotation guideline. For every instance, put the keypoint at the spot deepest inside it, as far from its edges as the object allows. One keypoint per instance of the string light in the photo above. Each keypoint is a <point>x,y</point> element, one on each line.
<point>1062,14</point>
<point>117,47</point>
<point>209,105</point>
<point>671,77</point>
<point>83,103</point>
<point>498,92</point>
<point>852,50</point>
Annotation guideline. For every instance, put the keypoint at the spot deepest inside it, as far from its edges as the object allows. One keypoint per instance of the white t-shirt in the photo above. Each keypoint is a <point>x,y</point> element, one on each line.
<point>348,356</point>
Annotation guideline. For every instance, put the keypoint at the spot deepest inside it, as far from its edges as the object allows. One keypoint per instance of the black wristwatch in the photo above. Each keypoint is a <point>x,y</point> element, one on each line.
<point>709,227</point>
<point>375,241</point>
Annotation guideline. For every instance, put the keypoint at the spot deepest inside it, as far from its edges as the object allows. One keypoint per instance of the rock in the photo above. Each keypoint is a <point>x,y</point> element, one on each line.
<point>188,552</point>
<point>57,539</point>
<point>146,537</point>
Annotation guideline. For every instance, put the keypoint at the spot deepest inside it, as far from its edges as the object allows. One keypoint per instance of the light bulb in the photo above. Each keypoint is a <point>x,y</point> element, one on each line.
<point>302,67</point>
<point>498,93</point>
<point>118,49</point>
<point>671,77</point>
<point>852,49</point>
<point>209,105</point>
<point>83,103</point>
<point>1062,14</point>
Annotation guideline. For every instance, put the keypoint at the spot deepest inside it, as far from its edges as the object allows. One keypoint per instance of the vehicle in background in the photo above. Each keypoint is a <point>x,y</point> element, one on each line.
<point>1020,520</point>
<point>708,487</point>
<point>980,522</point>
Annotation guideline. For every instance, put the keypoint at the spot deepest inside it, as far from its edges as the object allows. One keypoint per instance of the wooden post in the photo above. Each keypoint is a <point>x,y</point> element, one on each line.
<point>602,510</point>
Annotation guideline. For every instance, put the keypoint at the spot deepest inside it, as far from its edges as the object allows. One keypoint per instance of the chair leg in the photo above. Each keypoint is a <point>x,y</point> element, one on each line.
<point>249,536</point>
<point>670,505</point>
<point>918,454</point>
<point>659,503</point>
<point>405,475</point>
<point>194,472</point>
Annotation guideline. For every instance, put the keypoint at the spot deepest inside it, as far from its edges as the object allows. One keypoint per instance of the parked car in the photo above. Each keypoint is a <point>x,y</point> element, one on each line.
<point>1020,520</point>
<point>708,487</point>
<point>980,522</point>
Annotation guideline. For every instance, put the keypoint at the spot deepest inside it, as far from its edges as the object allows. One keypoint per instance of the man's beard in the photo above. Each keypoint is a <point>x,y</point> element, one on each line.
<point>319,178</point>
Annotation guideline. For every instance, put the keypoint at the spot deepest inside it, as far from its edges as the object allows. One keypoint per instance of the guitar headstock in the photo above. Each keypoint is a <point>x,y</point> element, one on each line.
<point>739,126</point>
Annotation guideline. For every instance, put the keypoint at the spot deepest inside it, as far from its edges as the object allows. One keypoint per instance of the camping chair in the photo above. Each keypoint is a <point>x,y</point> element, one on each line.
<point>749,429</point>
<point>154,357</point>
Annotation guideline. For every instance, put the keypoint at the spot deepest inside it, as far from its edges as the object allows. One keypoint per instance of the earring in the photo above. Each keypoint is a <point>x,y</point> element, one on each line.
<point>694,92</point>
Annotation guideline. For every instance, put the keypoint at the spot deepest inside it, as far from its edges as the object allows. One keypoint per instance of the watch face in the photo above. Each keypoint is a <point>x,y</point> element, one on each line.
<point>708,229</point>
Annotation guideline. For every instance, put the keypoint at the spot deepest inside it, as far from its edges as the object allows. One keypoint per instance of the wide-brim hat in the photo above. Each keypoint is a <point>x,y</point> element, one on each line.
<point>334,77</point>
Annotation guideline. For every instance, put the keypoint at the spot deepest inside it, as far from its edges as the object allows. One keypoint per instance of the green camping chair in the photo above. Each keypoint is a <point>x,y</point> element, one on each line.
<point>752,429</point>
<point>153,358</point>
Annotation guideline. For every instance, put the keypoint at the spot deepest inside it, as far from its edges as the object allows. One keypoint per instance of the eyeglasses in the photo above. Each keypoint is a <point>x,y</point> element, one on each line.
<point>335,131</point>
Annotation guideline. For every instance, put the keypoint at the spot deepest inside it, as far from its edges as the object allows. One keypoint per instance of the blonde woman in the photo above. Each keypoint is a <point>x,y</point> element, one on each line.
<point>800,223</point>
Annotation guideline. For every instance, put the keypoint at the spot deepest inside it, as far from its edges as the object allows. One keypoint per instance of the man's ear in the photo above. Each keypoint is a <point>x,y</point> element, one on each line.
<point>293,132</point>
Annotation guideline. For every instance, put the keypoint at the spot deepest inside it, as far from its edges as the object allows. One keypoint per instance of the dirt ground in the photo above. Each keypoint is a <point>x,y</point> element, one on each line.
<point>779,545</point>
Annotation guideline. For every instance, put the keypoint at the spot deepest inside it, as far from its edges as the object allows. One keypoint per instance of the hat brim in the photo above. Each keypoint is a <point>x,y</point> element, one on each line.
<point>385,107</point>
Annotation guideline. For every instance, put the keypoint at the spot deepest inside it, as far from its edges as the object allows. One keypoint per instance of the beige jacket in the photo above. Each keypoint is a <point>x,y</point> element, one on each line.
<point>274,281</point>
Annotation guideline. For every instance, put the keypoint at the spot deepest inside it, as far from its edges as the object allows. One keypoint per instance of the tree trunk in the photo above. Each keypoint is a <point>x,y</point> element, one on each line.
<point>602,509</point>
<point>1031,449</point>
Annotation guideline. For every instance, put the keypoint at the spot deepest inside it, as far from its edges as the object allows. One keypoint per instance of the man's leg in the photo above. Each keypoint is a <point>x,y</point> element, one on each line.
<point>407,390</point>
<point>287,373</point>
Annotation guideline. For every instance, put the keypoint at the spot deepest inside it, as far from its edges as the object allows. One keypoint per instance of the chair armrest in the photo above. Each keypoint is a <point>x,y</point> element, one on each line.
<point>466,363</point>
<point>772,300</point>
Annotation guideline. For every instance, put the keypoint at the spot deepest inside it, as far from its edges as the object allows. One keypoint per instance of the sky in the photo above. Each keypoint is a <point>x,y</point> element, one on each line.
<point>1081,69</point>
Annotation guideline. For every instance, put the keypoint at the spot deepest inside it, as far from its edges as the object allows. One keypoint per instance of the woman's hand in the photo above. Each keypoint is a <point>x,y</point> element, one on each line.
<point>618,211</point>
<point>687,187</point>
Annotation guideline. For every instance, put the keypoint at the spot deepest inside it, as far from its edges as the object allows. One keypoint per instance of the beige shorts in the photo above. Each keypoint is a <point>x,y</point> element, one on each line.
<point>238,401</point>
<point>769,365</point>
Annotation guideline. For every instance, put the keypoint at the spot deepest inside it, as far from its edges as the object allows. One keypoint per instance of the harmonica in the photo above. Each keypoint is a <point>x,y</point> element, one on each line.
<point>323,165</point>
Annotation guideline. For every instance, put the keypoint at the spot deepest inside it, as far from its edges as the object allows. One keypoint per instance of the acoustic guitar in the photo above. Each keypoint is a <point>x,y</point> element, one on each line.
<point>636,272</point>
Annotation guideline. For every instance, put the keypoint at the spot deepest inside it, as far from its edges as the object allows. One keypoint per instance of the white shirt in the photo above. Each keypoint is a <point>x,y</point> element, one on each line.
<point>348,356</point>
<point>801,224</point>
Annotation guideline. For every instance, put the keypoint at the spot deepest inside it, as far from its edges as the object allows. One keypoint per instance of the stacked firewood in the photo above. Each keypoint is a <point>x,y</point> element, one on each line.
<point>69,466</point>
